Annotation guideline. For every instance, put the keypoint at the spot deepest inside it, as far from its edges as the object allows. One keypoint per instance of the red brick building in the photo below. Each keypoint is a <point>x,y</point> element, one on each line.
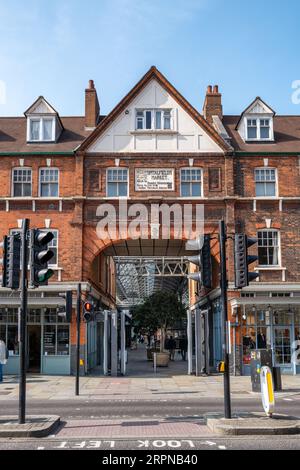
<point>154,148</point>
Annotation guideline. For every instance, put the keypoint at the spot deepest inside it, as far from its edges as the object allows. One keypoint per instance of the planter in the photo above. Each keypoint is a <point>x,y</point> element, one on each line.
<point>162,359</point>
<point>150,352</point>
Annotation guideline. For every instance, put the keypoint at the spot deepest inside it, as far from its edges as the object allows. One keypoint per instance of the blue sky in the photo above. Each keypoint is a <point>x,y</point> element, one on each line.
<point>53,48</point>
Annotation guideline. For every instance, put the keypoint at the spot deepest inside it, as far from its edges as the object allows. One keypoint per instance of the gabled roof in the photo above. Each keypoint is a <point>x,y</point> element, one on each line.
<point>13,136</point>
<point>286,136</point>
<point>251,105</point>
<point>153,72</point>
<point>41,100</point>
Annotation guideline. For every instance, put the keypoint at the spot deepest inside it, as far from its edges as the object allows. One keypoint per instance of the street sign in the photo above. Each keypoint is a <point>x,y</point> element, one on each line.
<point>267,390</point>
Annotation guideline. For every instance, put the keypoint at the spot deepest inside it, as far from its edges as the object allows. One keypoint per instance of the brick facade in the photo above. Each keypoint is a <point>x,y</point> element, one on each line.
<point>228,190</point>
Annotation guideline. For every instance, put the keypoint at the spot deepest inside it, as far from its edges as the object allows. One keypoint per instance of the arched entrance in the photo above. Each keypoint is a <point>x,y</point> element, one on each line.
<point>133,270</point>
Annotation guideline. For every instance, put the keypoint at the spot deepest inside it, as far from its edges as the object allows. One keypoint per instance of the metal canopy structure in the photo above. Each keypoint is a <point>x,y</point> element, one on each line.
<point>139,277</point>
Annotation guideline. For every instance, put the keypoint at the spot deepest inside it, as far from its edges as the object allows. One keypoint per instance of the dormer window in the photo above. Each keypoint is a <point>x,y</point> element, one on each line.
<point>155,119</point>
<point>258,129</point>
<point>257,122</point>
<point>41,129</point>
<point>264,125</point>
<point>43,122</point>
<point>252,128</point>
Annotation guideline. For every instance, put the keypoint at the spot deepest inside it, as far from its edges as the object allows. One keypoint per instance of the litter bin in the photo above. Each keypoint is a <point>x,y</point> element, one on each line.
<point>276,372</point>
<point>259,358</point>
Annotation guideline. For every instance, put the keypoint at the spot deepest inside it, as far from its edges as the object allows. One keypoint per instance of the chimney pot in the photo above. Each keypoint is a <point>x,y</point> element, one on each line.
<point>91,84</point>
<point>216,89</point>
<point>209,89</point>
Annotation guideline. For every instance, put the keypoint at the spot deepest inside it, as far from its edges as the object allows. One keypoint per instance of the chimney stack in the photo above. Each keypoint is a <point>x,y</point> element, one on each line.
<point>92,108</point>
<point>212,104</point>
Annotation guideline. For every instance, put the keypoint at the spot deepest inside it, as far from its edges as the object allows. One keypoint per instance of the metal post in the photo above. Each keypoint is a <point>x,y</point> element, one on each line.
<point>197,342</point>
<point>123,343</point>
<point>78,319</point>
<point>105,343</point>
<point>114,343</point>
<point>223,285</point>
<point>23,321</point>
<point>190,341</point>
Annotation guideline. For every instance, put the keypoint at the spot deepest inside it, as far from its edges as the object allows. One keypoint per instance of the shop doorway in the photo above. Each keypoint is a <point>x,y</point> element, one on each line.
<point>34,348</point>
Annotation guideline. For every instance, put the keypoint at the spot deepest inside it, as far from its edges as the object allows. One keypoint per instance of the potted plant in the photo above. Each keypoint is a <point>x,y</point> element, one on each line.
<point>160,311</point>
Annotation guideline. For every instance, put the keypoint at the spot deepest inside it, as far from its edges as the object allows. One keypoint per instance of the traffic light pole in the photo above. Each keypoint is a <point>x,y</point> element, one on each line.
<point>78,318</point>
<point>222,239</point>
<point>23,321</point>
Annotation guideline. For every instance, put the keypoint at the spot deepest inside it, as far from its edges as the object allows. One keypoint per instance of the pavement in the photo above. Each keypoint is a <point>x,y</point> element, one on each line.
<point>35,426</point>
<point>164,383</point>
<point>165,406</point>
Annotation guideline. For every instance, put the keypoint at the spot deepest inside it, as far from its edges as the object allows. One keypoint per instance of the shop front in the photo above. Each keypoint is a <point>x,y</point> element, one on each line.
<point>274,326</point>
<point>48,341</point>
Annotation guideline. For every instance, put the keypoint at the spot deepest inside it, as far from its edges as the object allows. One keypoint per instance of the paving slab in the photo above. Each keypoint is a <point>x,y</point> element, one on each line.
<point>35,426</point>
<point>252,424</point>
<point>130,428</point>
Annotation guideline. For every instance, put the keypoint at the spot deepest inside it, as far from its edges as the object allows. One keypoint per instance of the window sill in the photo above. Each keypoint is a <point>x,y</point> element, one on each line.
<point>258,141</point>
<point>32,142</point>
<point>154,131</point>
<point>270,268</point>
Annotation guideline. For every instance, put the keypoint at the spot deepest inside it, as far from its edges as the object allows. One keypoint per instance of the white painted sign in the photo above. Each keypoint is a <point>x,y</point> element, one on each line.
<point>154,179</point>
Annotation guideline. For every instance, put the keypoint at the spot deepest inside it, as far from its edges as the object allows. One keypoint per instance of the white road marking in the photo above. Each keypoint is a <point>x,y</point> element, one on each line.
<point>40,448</point>
<point>287,399</point>
<point>222,447</point>
<point>210,443</point>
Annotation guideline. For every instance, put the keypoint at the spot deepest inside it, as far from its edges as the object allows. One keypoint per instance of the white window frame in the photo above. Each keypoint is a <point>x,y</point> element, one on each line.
<point>40,182</point>
<point>41,120</point>
<point>106,181</point>
<point>12,180</point>
<point>259,118</point>
<point>276,181</point>
<point>153,119</point>
<point>278,265</point>
<point>201,181</point>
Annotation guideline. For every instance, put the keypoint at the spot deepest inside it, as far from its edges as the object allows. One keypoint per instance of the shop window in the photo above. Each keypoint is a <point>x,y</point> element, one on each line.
<point>49,340</point>
<point>62,340</point>
<point>3,333</point>
<point>56,334</point>
<point>12,340</point>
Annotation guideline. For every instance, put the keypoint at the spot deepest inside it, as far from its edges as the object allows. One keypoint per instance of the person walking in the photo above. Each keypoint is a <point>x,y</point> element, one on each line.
<point>172,347</point>
<point>183,347</point>
<point>3,358</point>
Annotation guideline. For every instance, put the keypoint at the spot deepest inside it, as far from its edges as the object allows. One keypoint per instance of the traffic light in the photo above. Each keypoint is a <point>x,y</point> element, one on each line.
<point>40,255</point>
<point>203,260</point>
<point>65,311</point>
<point>88,311</point>
<point>11,261</point>
<point>242,260</point>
